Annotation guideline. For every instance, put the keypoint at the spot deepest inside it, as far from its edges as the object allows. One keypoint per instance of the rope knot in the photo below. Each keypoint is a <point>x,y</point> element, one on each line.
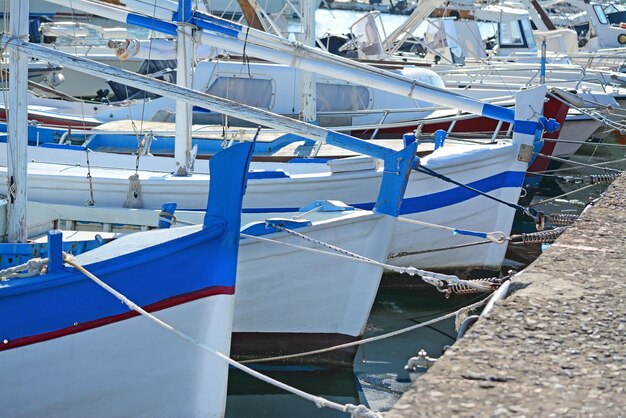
<point>361,411</point>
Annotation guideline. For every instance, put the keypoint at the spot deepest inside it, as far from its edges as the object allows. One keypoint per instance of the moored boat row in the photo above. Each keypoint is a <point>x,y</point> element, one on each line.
<point>288,253</point>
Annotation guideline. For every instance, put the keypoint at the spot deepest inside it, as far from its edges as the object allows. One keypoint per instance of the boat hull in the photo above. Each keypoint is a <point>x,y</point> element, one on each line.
<point>322,301</point>
<point>89,373</point>
<point>494,169</point>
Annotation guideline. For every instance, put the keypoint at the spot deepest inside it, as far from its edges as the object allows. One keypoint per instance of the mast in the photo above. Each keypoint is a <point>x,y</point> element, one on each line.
<point>308,88</point>
<point>17,139</point>
<point>184,43</point>
<point>250,14</point>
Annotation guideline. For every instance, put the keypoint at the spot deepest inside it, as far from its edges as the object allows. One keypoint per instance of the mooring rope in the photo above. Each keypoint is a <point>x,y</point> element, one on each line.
<point>33,267</point>
<point>440,281</point>
<point>354,410</point>
<point>375,338</point>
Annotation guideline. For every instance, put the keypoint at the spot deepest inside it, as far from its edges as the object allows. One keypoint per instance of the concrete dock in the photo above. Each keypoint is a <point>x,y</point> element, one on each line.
<point>556,347</point>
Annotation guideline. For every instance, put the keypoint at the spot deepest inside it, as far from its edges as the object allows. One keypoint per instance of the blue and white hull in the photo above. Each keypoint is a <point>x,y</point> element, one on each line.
<point>70,348</point>
<point>279,187</point>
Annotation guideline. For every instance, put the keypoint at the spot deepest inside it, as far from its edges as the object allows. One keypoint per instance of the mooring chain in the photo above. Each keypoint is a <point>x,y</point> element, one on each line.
<point>443,282</point>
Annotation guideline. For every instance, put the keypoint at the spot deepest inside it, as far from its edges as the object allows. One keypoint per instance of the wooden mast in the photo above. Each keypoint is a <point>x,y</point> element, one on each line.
<point>17,139</point>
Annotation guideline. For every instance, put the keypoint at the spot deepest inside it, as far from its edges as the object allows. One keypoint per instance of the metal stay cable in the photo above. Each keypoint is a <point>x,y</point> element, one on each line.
<point>564,194</point>
<point>600,118</point>
<point>599,165</point>
<point>438,280</point>
<point>375,338</point>
<point>434,250</point>
<point>595,144</point>
<point>526,210</point>
<point>498,237</point>
<point>354,410</point>
<point>573,162</point>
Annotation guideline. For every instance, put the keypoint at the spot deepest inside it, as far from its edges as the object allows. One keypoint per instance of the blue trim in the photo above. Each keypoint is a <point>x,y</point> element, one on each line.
<point>55,251</point>
<point>168,209</point>
<point>327,206</point>
<point>432,201</point>
<point>218,21</point>
<point>55,301</point>
<point>164,145</point>
<point>395,179</point>
<point>202,24</point>
<point>358,145</point>
<point>265,227</point>
<point>183,14</point>
<point>440,138</point>
<point>459,194</point>
<point>151,23</point>
<point>498,113</point>
<point>267,174</point>
<point>527,127</point>
<point>470,233</point>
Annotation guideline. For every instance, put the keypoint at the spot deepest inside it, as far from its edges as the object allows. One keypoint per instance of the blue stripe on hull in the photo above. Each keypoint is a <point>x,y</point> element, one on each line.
<point>460,194</point>
<point>436,200</point>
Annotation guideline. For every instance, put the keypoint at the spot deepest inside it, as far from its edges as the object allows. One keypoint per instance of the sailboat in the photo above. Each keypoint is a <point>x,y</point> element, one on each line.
<point>496,169</point>
<point>70,347</point>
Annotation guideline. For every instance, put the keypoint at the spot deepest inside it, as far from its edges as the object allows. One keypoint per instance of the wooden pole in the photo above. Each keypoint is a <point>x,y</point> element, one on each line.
<point>17,139</point>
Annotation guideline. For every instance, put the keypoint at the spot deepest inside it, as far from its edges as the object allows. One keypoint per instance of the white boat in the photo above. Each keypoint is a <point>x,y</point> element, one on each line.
<point>328,297</point>
<point>285,188</point>
<point>67,341</point>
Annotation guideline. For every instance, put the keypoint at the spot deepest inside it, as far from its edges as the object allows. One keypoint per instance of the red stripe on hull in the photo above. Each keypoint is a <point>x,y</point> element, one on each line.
<point>153,307</point>
<point>48,121</point>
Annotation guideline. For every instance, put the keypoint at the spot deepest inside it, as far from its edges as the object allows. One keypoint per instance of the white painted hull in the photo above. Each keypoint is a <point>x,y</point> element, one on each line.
<point>476,214</point>
<point>315,300</point>
<point>284,290</point>
<point>90,374</point>
<point>580,130</point>
<point>56,183</point>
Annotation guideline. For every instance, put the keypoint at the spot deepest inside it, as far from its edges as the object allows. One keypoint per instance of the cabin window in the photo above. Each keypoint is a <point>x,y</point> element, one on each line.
<point>255,92</point>
<point>341,97</point>
<point>600,13</point>
<point>528,33</point>
<point>510,34</point>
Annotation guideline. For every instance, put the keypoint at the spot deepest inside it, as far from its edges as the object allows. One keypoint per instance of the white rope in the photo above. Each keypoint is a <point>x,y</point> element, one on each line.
<point>375,338</point>
<point>436,279</point>
<point>33,267</point>
<point>354,410</point>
